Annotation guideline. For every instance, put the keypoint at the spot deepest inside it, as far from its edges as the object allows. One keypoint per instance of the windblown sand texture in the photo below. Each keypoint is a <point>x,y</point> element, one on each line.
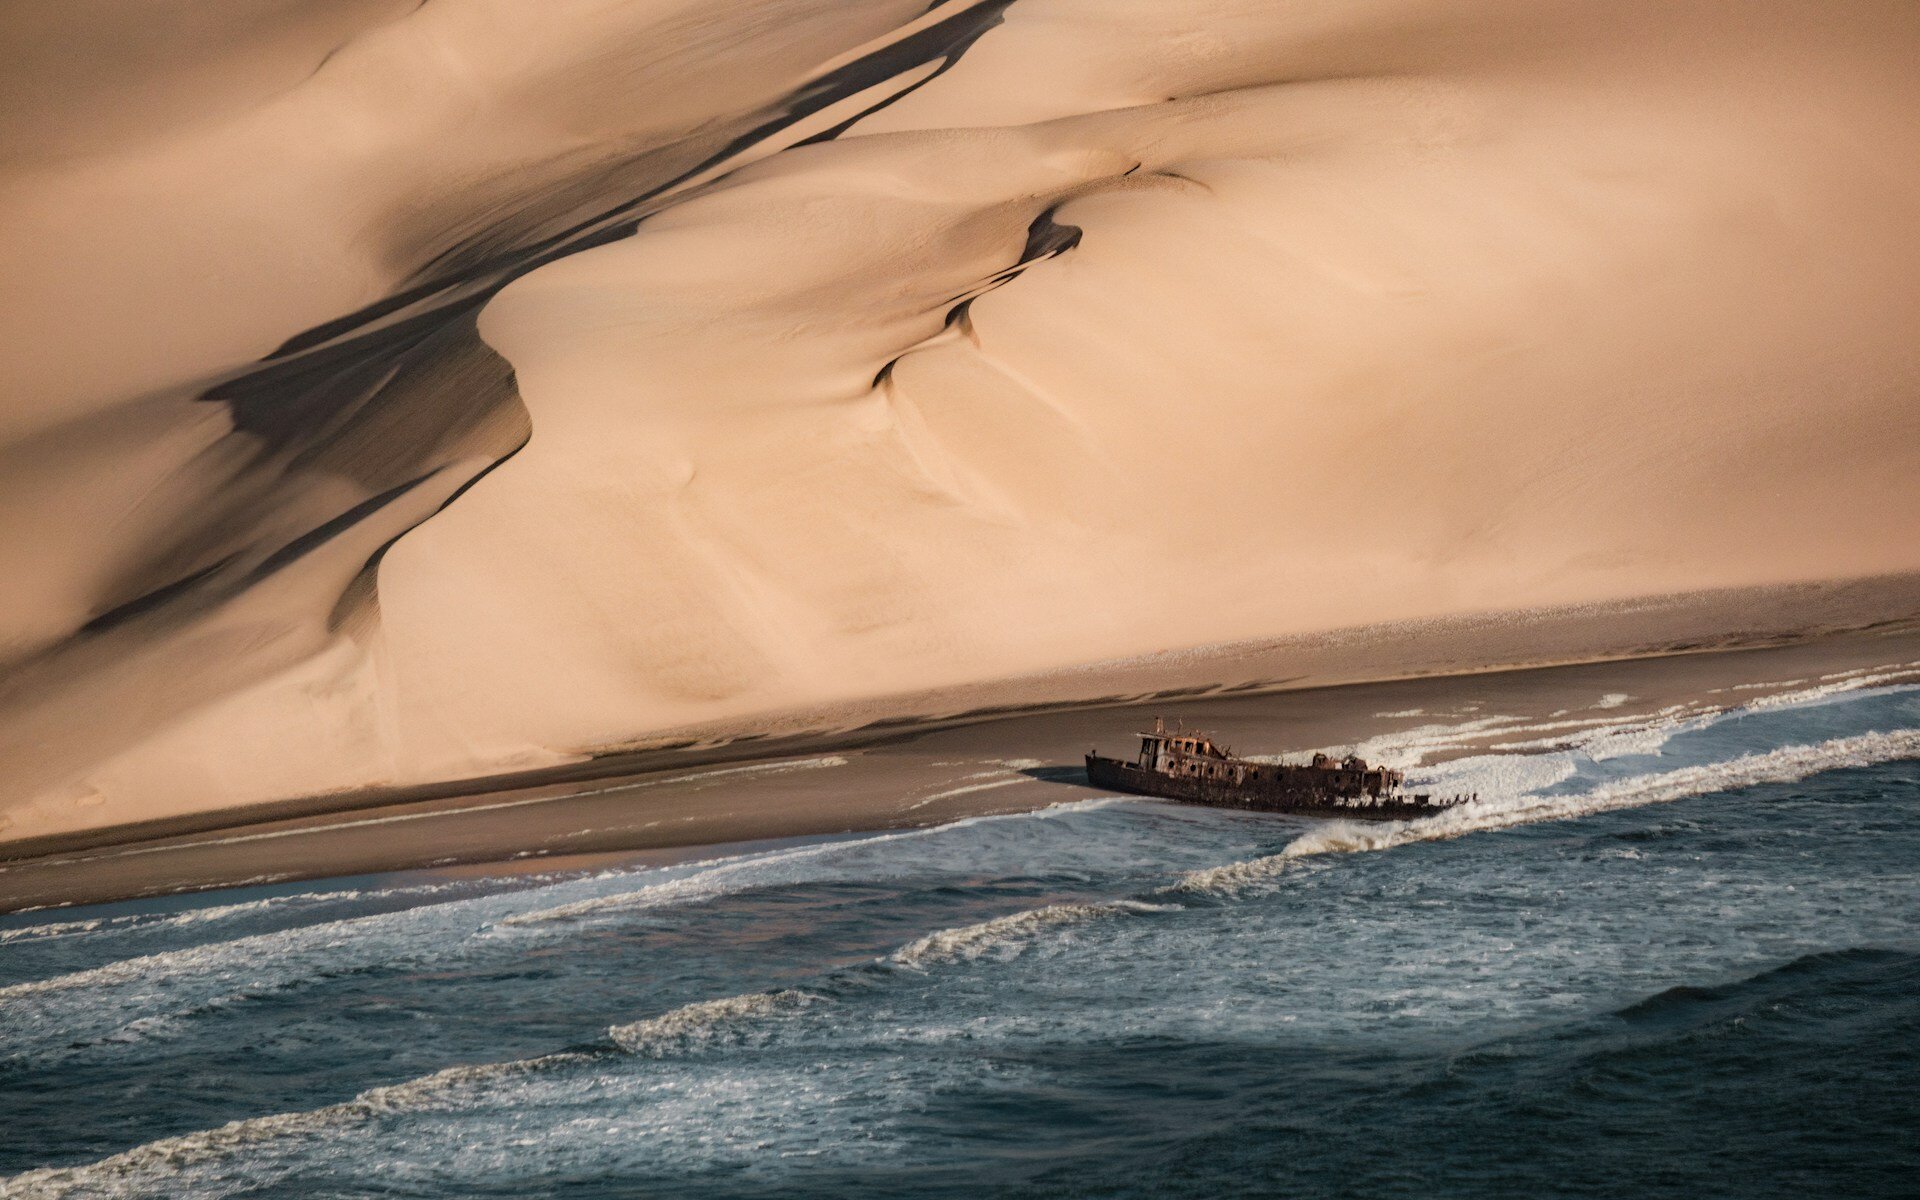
<point>406,391</point>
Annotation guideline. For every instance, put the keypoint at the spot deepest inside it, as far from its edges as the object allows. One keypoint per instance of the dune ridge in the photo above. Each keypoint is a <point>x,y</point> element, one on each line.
<point>411,393</point>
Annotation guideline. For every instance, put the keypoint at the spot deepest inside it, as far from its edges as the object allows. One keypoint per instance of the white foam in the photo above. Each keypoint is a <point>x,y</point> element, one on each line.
<point>1008,935</point>
<point>57,929</point>
<point>156,968</point>
<point>1491,775</point>
<point>145,923</point>
<point>1411,747</point>
<point>1230,879</point>
<point>1784,765</point>
<point>1633,741</point>
<point>1853,681</point>
<point>707,1022</point>
<point>1611,738</point>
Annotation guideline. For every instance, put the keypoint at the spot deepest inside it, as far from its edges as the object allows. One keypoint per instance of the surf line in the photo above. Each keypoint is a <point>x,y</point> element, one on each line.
<point>1788,764</point>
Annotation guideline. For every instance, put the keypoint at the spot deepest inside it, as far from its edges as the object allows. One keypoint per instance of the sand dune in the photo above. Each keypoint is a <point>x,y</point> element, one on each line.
<point>402,392</point>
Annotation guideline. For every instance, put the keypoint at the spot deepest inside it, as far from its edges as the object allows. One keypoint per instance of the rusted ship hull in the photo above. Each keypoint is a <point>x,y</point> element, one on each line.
<point>1285,793</point>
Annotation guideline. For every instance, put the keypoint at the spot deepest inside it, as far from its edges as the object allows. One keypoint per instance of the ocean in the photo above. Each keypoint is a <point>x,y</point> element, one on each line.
<point>1672,955</point>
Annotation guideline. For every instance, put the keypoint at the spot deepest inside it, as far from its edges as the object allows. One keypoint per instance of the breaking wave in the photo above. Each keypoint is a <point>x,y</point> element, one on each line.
<point>727,1021</point>
<point>158,968</point>
<point>60,929</point>
<point>1784,765</point>
<point>149,922</point>
<point>1006,937</point>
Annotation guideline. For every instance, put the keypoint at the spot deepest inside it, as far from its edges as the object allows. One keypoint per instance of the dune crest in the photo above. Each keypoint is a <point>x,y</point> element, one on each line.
<point>414,392</point>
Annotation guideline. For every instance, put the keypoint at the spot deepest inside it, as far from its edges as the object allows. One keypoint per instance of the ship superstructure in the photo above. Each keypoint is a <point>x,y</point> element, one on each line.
<point>1190,767</point>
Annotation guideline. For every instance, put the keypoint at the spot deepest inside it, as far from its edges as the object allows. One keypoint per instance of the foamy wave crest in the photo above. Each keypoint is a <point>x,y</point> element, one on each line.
<point>1609,736</point>
<point>1606,738</point>
<point>152,1168</point>
<point>1008,936</point>
<point>1638,740</point>
<point>146,923</point>
<point>732,1020</point>
<point>155,969</point>
<point>1846,682</point>
<point>1229,879</point>
<point>1411,747</point>
<point>56,929</point>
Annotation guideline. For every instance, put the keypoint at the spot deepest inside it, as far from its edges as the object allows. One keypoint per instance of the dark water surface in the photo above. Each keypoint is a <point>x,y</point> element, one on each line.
<point>1659,960</point>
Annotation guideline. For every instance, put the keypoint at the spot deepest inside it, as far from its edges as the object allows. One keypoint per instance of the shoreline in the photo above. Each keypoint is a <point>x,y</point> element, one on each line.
<point>910,773</point>
<point>1706,622</point>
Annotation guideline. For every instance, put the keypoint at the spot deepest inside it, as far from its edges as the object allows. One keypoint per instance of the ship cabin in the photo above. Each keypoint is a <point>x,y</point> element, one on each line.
<point>1178,752</point>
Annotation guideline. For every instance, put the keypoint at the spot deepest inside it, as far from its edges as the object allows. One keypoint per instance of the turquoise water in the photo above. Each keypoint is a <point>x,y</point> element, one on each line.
<point>1685,962</point>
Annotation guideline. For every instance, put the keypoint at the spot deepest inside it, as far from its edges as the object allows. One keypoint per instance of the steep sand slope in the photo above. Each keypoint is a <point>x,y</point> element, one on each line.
<point>868,349</point>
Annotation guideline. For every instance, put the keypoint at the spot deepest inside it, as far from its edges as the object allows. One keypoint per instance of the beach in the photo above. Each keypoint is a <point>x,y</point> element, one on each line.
<point>918,772</point>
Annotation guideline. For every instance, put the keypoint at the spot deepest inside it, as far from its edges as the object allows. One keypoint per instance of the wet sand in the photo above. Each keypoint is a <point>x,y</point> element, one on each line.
<point>909,776</point>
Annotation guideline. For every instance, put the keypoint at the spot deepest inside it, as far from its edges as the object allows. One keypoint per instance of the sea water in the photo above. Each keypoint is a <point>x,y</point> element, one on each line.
<point>1676,956</point>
